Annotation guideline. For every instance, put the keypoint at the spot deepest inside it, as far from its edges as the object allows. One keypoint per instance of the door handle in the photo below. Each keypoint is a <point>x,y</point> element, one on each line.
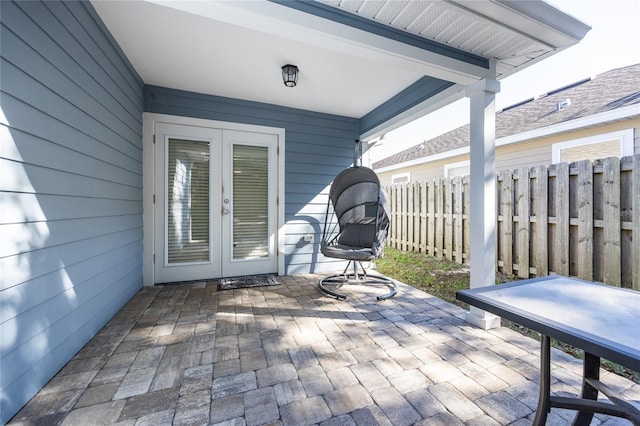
<point>224,209</point>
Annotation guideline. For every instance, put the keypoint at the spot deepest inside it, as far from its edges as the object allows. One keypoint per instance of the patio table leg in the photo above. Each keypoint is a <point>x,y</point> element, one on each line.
<point>591,370</point>
<point>544,400</point>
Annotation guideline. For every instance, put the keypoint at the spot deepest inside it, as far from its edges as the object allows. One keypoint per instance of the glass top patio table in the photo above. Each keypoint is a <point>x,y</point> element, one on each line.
<point>602,320</point>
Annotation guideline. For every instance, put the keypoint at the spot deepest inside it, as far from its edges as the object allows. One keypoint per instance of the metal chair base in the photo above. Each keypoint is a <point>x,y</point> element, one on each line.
<point>337,281</point>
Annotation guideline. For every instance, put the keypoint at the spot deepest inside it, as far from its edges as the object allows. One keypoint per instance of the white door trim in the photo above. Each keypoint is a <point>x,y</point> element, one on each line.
<point>149,121</point>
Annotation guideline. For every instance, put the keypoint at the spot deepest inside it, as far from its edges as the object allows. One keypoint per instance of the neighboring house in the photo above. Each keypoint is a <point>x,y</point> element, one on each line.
<point>594,118</point>
<point>133,132</point>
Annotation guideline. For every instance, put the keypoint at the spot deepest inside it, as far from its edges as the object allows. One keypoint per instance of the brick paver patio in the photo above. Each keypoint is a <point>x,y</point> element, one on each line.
<point>189,355</point>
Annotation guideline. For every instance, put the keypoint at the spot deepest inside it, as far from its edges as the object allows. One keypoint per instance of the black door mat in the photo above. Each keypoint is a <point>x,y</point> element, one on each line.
<point>247,281</point>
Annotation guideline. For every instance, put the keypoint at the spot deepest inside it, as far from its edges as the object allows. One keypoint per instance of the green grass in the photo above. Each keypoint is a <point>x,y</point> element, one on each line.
<point>434,276</point>
<point>442,279</point>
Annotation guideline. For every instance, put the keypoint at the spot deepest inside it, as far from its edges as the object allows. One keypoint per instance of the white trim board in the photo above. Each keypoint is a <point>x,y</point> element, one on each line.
<point>624,137</point>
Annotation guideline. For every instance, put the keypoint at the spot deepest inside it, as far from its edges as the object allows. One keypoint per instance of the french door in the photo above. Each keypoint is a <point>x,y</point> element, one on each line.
<point>215,203</point>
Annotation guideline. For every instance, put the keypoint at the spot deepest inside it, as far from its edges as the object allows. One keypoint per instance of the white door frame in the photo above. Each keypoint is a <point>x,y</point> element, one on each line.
<point>248,266</point>
<point>149,121</point>
<point>211,267</point>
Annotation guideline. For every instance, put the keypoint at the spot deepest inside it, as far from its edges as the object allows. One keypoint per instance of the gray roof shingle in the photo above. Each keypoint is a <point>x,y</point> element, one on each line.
<point>611,90</point>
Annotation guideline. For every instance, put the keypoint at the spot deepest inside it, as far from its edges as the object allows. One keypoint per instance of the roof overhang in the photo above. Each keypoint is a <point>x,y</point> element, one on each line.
<point>359,62</point>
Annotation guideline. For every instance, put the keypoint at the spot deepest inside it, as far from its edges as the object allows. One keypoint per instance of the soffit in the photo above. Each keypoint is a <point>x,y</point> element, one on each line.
<point>503,31</point>
<point>446,23</point>
<point>236,48</point>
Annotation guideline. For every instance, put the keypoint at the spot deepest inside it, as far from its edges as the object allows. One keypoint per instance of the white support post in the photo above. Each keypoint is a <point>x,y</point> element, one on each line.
<point>483,216</point>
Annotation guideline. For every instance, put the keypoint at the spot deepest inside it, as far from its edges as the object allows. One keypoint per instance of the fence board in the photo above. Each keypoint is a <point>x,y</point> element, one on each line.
<point>432,218</point>
<point>458,221</point>
<point>417,201</point>
<point>392,213</point>
<point>403,223</point>
<point>410,217</point>
<point>467,224</point>
<point>635,236</point>
<point>423,217</point>
<point>562,219</point>
<point>541,212</point>
<point>396,217</point>
<point>448,220</point>
<point>585,220</point>
<point>611,216</point>
<point>524,223</point>
<point>505,242</point>
<point>439,216</point>
<point>581,219</point>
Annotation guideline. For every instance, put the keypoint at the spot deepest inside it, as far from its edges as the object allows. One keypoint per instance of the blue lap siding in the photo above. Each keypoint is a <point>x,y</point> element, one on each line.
<point>71,184</point>
<point>70,188</point>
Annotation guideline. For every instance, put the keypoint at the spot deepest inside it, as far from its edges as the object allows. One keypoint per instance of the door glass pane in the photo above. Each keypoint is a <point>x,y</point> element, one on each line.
<point>250,202</point>
<point>188,201</point>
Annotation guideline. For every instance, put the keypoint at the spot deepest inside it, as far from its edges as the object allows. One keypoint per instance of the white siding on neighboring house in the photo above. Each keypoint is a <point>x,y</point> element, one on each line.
<point>420,172</point>
<point>511,157</point>
<point>530,153</point>
<point>70,189</point>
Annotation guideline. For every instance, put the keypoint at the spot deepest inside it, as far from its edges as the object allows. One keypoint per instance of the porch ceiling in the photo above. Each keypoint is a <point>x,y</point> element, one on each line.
<point>353,55</point>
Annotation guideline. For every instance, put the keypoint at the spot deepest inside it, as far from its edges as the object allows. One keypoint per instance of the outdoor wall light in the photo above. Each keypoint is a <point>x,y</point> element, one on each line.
<point>290,75</point>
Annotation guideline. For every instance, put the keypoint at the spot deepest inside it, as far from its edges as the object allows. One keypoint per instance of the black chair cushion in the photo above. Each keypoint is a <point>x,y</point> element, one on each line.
<point>340,251</point>
<point>357,235</point>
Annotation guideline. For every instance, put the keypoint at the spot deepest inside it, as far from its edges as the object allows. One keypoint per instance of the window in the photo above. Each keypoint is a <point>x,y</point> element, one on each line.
<point>188,201</point>
<point>250,201</point>
<point>461,168</point>
<point>401,178</point>
<point>614,144</point>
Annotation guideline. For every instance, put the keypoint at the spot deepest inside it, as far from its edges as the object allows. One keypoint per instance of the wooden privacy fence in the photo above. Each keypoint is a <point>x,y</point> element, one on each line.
<point>580,219</point>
